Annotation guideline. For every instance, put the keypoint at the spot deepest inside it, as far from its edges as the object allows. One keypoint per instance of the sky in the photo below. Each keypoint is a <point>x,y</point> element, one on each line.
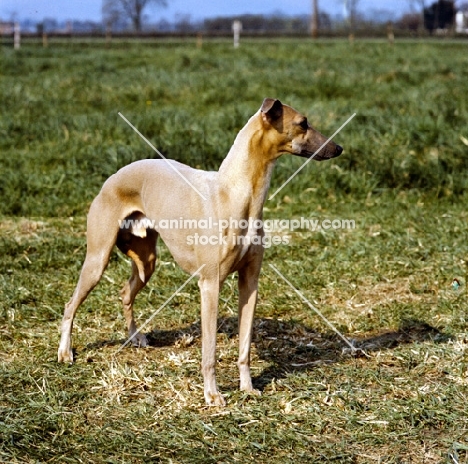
<point>37,10</point>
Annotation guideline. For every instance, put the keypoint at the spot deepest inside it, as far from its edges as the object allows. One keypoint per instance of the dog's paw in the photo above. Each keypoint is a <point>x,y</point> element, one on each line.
<point>246,385</point>
<point>214,399</point>
<point>250,390</point>
<point>65,356</point>
<point>253,392</point>
<point>139,340</point>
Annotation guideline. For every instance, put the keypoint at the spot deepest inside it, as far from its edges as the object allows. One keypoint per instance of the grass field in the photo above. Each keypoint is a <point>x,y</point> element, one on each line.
<point>386,284</point>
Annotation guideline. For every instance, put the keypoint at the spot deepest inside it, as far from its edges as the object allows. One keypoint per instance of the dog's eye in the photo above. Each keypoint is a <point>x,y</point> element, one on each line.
<point>304,124</point>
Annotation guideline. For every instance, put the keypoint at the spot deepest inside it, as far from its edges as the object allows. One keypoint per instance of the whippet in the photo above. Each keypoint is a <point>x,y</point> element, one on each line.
<point>233,196</point>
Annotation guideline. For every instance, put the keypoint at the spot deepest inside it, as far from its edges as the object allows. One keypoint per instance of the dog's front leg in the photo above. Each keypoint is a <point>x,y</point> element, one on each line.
<point>248,291</point>
<point>209,289</point>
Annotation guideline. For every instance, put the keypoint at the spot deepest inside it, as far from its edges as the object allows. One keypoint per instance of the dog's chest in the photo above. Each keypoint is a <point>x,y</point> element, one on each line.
<point>238,242</point>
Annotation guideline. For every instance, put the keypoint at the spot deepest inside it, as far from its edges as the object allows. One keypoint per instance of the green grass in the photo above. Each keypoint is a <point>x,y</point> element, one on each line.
<point>385,284</point>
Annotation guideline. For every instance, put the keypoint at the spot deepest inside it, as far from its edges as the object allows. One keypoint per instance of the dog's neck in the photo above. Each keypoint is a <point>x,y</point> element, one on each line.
<point>246,171</point>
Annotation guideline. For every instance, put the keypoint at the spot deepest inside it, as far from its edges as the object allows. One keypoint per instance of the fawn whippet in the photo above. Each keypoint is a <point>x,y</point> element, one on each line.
<point>152,190</point>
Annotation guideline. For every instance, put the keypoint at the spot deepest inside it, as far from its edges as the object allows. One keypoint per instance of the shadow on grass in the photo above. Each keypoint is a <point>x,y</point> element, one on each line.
<point>292,347</point>
<point>289,346</point>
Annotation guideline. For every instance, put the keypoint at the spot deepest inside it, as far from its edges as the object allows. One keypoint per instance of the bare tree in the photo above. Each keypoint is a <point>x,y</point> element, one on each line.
<point>352,9</point>
<point>420,6</point>
<point>314,24</point>
<point>115,10</point>
<point>350,12</point>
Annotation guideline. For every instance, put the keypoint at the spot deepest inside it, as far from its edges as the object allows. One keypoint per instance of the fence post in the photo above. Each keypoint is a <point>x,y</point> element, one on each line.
<point>16,36</point>
<point>199,40</point>
<point>108,35</point>
<point>236,28</point>
<point>390,34</point>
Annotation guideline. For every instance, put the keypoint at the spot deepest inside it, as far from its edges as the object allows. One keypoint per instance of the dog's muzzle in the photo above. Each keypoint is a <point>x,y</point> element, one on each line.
<point>326,153</point>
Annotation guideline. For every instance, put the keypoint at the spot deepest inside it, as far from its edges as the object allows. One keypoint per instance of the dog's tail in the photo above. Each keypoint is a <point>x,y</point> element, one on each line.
<point>136,224</point>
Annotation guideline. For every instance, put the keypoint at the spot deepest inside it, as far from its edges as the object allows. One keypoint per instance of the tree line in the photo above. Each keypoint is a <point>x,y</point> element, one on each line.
<point>131,15</point>
<point>439,15</point>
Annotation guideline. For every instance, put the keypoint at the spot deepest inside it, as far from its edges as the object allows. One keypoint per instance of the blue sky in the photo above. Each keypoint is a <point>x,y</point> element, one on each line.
<point>197,9</point>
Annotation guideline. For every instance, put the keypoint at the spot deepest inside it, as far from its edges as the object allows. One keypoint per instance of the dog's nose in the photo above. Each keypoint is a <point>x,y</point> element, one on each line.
<point>339,150</point>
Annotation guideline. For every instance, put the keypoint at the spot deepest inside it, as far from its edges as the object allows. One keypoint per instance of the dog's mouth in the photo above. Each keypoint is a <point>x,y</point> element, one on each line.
<point>324,154</point>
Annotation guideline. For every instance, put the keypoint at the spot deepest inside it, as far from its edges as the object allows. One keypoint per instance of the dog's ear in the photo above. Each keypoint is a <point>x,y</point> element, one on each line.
<point>271,109</point>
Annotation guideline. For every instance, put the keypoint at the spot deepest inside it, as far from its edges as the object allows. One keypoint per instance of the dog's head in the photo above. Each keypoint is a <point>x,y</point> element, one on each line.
<point>298,137</point>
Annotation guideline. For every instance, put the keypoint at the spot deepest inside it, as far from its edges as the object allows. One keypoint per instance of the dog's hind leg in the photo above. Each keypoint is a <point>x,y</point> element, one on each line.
<point>102,232</point>
<point>142,251</point>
